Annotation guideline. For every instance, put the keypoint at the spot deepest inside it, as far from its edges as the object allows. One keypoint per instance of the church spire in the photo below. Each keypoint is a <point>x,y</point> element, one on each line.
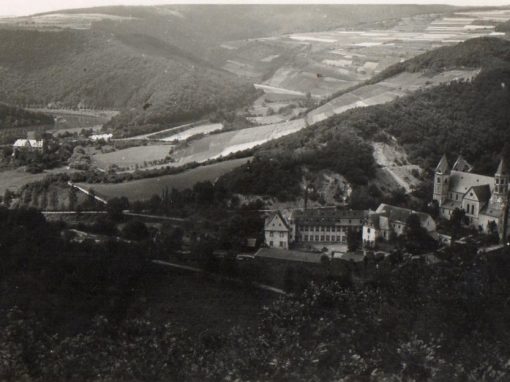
<point>443,167</point>
<point>502,168</point>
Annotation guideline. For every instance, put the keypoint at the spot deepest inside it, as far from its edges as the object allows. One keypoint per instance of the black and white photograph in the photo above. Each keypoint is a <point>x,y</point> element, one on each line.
<point>282,191</point>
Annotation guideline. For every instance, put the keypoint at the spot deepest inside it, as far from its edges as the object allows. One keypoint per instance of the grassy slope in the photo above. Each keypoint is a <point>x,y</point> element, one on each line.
<point>143,189</point>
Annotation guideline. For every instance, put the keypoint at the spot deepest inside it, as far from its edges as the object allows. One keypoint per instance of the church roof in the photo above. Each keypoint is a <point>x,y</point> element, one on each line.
<point>461,182</point>
<point>482,192</point>
<point>502,168</point>
<point>462,165</point>
<point>443,166</point>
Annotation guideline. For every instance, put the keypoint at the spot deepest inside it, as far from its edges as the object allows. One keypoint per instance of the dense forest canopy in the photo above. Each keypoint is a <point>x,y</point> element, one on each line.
<point>69,312</point>
<point>13,117</point>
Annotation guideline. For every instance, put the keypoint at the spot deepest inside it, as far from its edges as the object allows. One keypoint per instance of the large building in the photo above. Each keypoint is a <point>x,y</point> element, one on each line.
<point>312,226</point>
<point>33,143</point>
<point>483,198</point>
<point>388,222</point>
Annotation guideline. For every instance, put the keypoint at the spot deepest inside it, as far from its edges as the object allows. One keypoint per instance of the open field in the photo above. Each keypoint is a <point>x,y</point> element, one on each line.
<point>329,61</point>
<point>385,91</point>
<point>191,132</point>
<point>13,180</point>
<point>223,144</point>
<point>132,156</point>
<point>144,188</point>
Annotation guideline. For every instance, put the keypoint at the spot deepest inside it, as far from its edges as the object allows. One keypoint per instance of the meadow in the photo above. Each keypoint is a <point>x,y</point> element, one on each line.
<point>131,157</point>
<point>143,189</point>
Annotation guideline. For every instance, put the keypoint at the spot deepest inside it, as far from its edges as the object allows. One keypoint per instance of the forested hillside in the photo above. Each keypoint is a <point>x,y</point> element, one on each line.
<point>485,52</point>
<point>468,118</point>
<point>156,81</point>
<point>13,117</point>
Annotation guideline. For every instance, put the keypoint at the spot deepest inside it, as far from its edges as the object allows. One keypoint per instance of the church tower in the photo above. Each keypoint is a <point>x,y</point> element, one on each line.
<point>500,193</point>
<point>442,181</point>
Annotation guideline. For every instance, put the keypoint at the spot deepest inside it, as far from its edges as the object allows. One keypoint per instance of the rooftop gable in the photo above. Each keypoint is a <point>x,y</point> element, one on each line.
<point>443,166</point>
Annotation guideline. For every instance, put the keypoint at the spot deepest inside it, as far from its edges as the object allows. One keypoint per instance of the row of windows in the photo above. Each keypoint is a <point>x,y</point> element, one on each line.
<point>323,228</point>
<point>282,234</point>
<point>325,238</point>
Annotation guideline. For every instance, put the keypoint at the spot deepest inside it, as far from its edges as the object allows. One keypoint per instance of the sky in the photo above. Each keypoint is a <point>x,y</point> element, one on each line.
<point>26,7</point>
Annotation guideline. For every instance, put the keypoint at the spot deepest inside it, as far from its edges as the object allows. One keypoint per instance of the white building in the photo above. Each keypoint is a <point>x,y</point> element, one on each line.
<point>28,145</point>
<point>277,231</point>
<point>98,137</point>
<point>389,221</point>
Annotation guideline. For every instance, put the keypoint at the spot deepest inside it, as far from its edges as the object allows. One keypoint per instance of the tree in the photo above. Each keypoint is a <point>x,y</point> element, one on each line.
<point>353,240</point>
<point>116,206</point>
<point>135,230</point>
<point>73,199</point>
<point>8,195</point>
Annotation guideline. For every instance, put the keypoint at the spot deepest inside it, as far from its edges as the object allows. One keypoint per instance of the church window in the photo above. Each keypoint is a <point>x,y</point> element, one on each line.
<point>438,180</point>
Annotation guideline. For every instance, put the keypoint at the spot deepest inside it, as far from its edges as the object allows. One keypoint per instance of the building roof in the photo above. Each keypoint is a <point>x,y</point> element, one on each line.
<point>443,167</point>
<point>502,168</point>
<point>289,255</point>
<point>452,204</point>
<point>284,226</point>
<point>492,211</point>
<point>328,216</point>
<point>462,165</point>
<point>400,214</point>
<point>461,182</point>
<point>483,192</point>
<point>28,143</point>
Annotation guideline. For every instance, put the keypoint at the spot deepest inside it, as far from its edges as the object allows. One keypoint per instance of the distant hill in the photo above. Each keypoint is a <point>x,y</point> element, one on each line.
<point>156,81</point>
<point>159,65</point>
<point>484,52</point>
<point>469,118</point>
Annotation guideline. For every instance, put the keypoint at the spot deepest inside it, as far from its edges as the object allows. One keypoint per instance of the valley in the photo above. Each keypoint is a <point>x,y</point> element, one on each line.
<point>255,193</point>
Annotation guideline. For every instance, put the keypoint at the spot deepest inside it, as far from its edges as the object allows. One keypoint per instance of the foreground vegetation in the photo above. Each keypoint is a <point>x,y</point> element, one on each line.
<point>407,322</point>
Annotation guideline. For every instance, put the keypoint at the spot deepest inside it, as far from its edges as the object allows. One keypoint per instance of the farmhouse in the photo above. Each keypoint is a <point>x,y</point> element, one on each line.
<point>389,221</point>
<point>30,144</point>
<point>483,198</point>
<point>277,231</point>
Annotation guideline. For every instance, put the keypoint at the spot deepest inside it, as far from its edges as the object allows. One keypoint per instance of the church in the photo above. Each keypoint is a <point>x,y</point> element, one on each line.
<point>483,198</point>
